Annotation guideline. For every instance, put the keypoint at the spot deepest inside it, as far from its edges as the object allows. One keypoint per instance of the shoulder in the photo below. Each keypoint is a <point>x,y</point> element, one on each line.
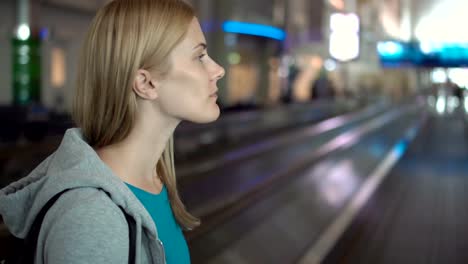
<point>84,202</point>
<point>85,224</point>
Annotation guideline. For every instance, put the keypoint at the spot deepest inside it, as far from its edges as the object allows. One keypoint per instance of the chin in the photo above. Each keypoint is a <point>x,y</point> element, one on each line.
<point>205,116</point>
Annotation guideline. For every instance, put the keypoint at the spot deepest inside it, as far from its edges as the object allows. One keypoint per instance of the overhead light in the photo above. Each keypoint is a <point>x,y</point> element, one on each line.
<point>344,36</point>
<point>254,29</point>
<point>436,26</point>
<point>23,32</point>
<point>344,22</point>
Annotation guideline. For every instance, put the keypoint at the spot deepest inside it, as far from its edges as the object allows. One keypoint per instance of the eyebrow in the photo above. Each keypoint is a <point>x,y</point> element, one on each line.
<point>203,45</point>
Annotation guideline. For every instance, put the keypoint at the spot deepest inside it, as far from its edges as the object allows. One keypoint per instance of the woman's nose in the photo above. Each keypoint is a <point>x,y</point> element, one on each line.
<point>219,72</point>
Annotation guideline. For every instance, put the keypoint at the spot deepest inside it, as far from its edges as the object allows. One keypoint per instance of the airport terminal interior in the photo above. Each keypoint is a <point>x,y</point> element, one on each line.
<point>342,135</point>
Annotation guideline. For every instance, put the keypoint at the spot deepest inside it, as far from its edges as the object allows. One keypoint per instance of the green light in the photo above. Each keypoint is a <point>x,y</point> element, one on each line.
<point>234,58</point>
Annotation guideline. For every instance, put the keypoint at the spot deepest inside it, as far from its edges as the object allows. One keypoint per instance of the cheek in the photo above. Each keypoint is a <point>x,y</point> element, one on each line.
<point>186,92</point>
<point>194,81</point>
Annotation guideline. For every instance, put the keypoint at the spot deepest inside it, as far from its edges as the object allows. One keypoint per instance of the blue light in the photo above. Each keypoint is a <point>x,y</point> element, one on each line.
<point>423,54</point>
<point>44,33</point>
<point>254,29</point>
<point>401,147</point>
<point>390,48</point>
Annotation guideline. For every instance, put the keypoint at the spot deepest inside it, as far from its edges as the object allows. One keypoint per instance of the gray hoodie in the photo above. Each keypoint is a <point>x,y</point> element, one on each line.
<point>85,225</point>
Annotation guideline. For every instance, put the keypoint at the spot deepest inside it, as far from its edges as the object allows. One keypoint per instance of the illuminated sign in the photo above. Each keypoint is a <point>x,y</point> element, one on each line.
<point>422,54</point>
<point>254,29</point>
<point>344,36</point>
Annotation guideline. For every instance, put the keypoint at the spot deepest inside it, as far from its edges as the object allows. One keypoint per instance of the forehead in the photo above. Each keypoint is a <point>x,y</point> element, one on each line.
<point>195,32</point>
<point>193,37</point>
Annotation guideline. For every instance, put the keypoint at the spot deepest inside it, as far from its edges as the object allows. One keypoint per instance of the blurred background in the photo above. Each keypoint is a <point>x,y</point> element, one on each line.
<point>343,134</point>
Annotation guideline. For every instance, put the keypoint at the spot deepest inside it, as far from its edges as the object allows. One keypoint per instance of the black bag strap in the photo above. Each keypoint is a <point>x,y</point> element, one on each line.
<point>132,236</point>
<point>30,242</point>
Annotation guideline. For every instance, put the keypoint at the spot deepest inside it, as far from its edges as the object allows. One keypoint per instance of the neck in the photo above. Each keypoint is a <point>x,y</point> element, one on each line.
<point>134,159</point>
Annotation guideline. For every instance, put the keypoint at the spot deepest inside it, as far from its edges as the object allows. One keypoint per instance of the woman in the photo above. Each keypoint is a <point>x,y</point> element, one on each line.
<point>144,68</point>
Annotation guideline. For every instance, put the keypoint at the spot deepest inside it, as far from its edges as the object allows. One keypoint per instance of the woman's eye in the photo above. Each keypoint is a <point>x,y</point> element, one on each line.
<point>200,58</point>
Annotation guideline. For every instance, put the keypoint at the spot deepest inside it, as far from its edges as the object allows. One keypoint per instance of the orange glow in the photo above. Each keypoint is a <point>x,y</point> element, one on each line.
<point>338,4</point>
<point>316,62</point>
<point>58,68</point>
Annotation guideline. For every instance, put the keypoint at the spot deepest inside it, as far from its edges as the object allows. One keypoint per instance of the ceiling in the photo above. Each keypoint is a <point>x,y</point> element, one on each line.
<point>430,19</point>
<point>82,5</point>
<point>440,20</point>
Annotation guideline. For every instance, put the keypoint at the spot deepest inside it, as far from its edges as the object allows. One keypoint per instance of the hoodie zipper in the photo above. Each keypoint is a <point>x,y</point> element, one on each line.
<point>162,250</point>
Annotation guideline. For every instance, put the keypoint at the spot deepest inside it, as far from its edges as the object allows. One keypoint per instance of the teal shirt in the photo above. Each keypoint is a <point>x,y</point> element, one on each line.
<point>169,231</point>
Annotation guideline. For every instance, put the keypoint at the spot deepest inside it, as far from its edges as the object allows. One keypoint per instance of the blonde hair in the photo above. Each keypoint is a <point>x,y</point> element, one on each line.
<point>124,36</point>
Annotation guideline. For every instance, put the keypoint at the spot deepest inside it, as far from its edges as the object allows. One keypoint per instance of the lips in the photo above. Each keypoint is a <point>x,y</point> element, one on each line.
<point>214,93</point>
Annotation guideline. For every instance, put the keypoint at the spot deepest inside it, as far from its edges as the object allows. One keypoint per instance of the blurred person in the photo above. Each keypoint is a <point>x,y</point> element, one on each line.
<point>322,87</point>
<point>144,68</point>
<point>287,93</point>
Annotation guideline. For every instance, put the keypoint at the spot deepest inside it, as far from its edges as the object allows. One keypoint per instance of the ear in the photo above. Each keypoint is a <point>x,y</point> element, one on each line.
<point>144,85</point>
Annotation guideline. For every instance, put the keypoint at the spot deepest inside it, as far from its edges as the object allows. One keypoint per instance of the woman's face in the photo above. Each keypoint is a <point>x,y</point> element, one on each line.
<point>189,91</point>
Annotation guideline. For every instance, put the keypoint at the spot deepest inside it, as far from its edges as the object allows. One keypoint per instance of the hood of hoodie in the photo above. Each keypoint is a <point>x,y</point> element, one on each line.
<point>74,164</point>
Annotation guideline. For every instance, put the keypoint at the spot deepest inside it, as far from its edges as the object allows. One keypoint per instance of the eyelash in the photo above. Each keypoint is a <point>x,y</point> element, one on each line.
<point>201,57</point>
